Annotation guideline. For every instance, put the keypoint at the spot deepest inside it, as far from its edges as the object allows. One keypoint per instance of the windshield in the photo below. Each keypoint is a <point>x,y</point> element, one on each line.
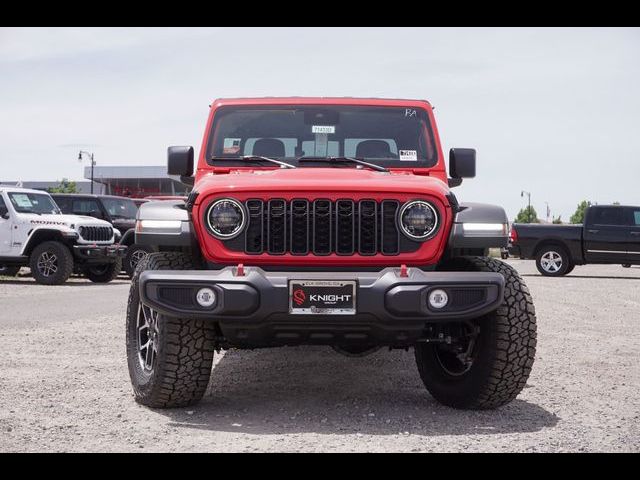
<point>120,208</point>
<point>387,136</point>
<point>33,203</point>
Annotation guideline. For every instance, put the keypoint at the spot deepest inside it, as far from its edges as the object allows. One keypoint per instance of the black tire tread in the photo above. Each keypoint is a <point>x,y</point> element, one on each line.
<point>183,370</point>
<point>514,324</point>
<point>110,274</point>
<point>65,263</point>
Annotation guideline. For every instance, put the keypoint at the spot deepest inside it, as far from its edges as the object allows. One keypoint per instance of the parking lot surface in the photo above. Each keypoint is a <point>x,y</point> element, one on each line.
<point>64,383</point>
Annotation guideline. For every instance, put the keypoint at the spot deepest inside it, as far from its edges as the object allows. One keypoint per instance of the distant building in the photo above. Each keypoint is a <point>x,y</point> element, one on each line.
<point>135,181</point>
<point>128,181</point>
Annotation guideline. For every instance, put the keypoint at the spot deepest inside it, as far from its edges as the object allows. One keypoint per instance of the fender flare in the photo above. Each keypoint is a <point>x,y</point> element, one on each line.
<point>479,215</point>
<point>38,234</point>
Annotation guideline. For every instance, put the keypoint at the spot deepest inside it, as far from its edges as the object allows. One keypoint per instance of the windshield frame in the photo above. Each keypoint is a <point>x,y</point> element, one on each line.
<point>430,135</point>
<point>19,209</point>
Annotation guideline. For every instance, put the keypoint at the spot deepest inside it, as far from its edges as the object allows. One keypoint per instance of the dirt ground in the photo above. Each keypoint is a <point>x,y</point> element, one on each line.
<point>64,383</point>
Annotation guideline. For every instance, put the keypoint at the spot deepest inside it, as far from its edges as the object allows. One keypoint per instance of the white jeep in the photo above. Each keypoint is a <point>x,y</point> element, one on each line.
<point>34,233</point>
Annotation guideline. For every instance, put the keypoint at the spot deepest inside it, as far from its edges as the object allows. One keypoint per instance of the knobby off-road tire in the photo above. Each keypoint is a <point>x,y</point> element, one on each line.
<point>182,363</point>
<point>103,273</point>
<point>51,263</point>
<point>503,353</point>
<point>8,271</point>
<point>553,261</point>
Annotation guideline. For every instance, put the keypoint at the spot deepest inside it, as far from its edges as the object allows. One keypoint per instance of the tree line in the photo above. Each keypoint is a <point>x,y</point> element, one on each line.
<point>529,214</point>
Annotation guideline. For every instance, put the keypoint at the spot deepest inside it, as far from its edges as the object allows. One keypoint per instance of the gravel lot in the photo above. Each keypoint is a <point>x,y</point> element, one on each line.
<point>64,384</point>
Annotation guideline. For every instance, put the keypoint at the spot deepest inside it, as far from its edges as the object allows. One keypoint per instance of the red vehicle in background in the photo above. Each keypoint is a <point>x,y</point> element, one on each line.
<point>327,221</point>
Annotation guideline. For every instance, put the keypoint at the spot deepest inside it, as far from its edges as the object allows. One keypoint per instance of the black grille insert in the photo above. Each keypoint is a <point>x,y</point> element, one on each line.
<point>322,227</point>
<point>96,234</point>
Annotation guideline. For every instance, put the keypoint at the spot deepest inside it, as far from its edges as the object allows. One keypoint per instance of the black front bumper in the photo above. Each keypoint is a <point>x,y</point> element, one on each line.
<point>99,253</point>
<point>253,309</point>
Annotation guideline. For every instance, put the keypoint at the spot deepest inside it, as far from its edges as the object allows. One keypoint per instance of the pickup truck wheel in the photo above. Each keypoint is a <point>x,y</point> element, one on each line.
<point>169,359</point>
<point>496,352</point>
<point>51,263</point>
<point>553,261</point>
<point>8,271</point>
<point>135,253</point>
<point>103,273</point>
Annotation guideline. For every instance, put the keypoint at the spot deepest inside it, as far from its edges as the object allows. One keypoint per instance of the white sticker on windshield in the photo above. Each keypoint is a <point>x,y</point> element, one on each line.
<point>323,129</point>
<point>22,200</point>
<point>408,155</point>
<point>231,146</point>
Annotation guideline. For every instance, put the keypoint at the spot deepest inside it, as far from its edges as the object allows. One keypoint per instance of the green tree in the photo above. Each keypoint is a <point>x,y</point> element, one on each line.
<point>64,186</point>
<point>526,216</point>
<point>557,220</point>
<point>578,217</point>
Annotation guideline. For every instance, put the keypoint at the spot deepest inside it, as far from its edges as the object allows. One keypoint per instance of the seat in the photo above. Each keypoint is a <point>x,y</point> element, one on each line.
<point>269,147</point>
<point>374,149</point>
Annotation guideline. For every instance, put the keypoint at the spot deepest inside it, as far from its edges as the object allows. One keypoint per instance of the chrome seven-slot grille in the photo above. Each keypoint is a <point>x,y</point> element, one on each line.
<point>322,227</point>
<point>96,234</point>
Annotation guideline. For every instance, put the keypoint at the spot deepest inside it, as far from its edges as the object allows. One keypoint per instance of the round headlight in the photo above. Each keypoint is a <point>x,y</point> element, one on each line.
<point>418,219</point>
<point>226,218</point>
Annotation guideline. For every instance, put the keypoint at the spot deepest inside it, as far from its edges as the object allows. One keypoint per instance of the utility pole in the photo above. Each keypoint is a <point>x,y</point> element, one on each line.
<point>93,163</point>
<point>528,194</point>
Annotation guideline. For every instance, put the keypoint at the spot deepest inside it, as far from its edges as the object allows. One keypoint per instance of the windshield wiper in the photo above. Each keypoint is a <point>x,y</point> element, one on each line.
<point>257,158</point>
<point>359,161</point>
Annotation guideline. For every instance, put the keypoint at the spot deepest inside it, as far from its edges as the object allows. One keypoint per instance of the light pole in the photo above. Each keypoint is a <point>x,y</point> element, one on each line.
<point>528,194</point>
<point>93,163</point>
<point>548,211</point>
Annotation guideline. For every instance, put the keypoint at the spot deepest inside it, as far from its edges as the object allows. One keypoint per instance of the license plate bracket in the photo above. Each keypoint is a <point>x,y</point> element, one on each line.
<point>322,297</point>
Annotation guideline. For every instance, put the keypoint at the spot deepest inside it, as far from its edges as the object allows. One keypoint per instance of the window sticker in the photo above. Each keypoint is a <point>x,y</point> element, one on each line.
<point>22,200</point>
<point>323,129</point>
<point>231,146</point>
<point>408,155</point>
<point>410,113</point>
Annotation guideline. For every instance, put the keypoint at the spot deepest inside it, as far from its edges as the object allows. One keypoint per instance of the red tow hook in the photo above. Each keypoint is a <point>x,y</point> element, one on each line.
<point>404,271</point>
<point>240,270</point>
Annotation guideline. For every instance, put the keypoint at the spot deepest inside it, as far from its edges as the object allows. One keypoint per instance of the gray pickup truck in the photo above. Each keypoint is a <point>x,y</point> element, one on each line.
<point>610,234</point>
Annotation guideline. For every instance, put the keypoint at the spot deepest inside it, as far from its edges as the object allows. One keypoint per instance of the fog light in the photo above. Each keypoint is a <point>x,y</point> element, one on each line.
<point>438,299</point>
<point>206,297</point>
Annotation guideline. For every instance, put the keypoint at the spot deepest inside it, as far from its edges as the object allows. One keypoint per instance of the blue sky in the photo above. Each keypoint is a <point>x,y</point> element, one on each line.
<point>552,111</point>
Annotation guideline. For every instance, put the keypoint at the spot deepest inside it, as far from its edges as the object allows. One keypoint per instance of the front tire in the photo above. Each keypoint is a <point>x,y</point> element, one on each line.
<point>553,261</point>
<point>501,356</point>
<point>103,273</point>
<point>51,263</point>
<point>626,265</point>
<point>169,359</point>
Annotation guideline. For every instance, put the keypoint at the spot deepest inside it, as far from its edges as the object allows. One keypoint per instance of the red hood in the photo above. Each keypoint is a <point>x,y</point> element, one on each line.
<point>320,179</point>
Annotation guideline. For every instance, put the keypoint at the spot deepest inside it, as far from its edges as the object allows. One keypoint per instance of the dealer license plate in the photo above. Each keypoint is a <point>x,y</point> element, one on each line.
<point>322,297</point>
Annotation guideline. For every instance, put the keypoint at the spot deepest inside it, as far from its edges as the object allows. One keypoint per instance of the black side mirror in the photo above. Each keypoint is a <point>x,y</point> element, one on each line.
<point>462,164</point>
<point>180,161</point>
<point>4,212</point>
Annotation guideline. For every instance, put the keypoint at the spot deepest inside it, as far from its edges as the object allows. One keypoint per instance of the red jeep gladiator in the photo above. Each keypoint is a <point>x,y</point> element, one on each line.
<point>326,221</point>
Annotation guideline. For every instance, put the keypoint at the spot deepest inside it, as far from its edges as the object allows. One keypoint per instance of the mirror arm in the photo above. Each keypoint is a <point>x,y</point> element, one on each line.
<point>189,181</point>
<point>454,182</point>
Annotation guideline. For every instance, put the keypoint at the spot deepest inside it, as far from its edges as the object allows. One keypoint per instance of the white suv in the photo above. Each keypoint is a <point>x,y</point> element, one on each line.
<point>34,233</point>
